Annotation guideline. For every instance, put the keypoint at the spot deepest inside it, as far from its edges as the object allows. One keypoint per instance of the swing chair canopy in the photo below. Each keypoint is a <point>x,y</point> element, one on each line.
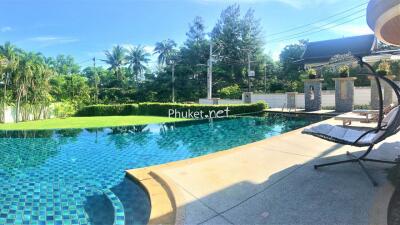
<point>383,17</point>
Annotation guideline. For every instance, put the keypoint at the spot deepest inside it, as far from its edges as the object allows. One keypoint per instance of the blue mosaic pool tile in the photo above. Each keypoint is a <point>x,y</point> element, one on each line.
<point>78,176</point>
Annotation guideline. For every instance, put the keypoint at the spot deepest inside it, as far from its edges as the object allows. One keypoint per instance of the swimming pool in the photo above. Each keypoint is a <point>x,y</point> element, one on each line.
<point>77,176</point>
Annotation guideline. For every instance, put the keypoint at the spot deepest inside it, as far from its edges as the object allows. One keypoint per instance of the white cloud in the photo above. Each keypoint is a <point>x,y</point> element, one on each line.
<point>274,49</point>
<point>352,30</point>
<point>5,29</point>
<point>149,48</point>
<point>52,40</point>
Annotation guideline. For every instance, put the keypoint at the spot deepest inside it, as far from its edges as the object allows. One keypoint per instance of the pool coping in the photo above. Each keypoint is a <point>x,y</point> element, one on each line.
<point>167,200</point>
<point>163,193</point>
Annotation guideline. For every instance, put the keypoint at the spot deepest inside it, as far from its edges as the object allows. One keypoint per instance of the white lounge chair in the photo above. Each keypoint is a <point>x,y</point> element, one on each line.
<point>347,118</point>
<point>363,115</point>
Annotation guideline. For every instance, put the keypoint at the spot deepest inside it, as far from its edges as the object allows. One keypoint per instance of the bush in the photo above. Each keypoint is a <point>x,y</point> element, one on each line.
<point>108,110</point>
<point>232,92</point>
<point>64,109</point>
<point>162,109</point>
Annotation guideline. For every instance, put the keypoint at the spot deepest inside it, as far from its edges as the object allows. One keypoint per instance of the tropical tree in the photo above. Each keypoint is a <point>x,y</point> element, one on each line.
<point>166,51</point>
<point>22,79</point>
<point>63,65</point>
<point>116,59</point>
<point>10,63</point>
<point>39,88</point>
<point>167,55</point>
<point>288,57</point>
<point>236,40</point>
<point>137,59</point>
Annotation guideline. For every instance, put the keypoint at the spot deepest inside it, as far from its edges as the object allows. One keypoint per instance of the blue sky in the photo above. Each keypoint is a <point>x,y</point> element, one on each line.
<point>85,28</point>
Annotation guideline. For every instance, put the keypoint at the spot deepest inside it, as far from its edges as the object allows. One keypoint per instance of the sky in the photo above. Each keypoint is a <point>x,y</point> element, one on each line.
<point>86,28</point>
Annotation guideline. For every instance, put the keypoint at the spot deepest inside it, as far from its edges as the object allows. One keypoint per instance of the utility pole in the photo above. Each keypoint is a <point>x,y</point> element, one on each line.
<point>173,81</point>
<point>248,69</point>
<point>96,97</point>
<point>265,78</point>
<point>209,74</point>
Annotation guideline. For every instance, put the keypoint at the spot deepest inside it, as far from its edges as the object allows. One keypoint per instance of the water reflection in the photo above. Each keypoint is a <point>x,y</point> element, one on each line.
<point>32,148</point>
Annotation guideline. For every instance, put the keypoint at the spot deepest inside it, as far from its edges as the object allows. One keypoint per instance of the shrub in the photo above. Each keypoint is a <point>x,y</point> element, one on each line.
<point>108,110</point>
<point>312,73</point>
<point>64,109</point>
<point>383,68</point>
<point>162,109</point>
<point>344,70</point>
<point>232,92</point>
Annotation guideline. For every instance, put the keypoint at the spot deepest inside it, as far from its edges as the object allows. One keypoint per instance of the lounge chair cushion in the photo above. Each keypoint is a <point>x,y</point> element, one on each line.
<point>351,134</point>
<point>345,134</point>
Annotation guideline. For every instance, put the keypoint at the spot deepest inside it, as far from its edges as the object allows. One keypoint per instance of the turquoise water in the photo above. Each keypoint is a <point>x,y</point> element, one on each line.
<point>77,176</point>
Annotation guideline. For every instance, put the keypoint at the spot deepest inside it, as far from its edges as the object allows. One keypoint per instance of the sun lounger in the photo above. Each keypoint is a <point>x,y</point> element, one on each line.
<point>347,118</point>
<point>363,115</point>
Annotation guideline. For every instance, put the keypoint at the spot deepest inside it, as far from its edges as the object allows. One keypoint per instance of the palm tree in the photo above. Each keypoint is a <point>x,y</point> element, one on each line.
<point>166,51</point>
<point>167,56</point>
<point>22,78</point>
<point>116,60</point>
<point>136,58</point>
<point>39,86</point>
<point>10,63</point>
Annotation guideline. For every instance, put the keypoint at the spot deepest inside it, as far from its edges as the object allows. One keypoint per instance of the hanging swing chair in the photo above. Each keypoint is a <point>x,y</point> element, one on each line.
<point>387,126</point>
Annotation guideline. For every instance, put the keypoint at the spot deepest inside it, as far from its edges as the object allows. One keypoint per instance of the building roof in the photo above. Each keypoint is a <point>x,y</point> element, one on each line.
<point>322,51</point>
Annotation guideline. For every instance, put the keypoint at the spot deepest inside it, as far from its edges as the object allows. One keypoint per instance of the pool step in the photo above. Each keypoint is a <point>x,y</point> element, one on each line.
<point>119,212</point>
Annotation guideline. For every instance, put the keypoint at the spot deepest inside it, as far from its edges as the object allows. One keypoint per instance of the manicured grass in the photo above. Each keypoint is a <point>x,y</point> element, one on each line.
<point>86,122</point>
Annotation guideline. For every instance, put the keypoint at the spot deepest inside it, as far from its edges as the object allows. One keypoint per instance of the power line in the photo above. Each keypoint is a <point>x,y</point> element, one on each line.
<point>318,21</point>
<point>317,31</point>
<point>316,28</point>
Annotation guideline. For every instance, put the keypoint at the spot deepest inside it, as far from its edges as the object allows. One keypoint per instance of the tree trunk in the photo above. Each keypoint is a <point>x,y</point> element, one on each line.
<point>4,99</point>
<point>18,106</point>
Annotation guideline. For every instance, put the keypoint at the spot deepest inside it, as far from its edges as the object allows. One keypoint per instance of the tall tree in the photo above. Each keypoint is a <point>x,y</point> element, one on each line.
<point>288,59</point>
<point>116,59</point>
<point>196,33</point>
<point>10,63</point>
<point>166,51</point>
<point>236,39</point>
<point>22,79</point>
<point>137,59</point>
<point>63,65</point>
<point>191,74</point>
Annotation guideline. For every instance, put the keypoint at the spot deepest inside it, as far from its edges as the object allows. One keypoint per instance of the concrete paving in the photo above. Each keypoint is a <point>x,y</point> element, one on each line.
<point>273,182</point>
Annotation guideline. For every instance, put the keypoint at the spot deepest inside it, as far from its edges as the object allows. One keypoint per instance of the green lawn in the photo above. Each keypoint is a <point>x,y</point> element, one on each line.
<point>86,122</point>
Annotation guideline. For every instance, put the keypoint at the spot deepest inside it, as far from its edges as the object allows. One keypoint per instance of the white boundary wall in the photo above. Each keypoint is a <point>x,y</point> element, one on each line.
<point>10,115</point>
<point>362,96</point>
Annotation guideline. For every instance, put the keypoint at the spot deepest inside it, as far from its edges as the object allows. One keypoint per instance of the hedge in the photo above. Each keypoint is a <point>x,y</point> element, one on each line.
<point>108,110</point>
<point>163,109</point>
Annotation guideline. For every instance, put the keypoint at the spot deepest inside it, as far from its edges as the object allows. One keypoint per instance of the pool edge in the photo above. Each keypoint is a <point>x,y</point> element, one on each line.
<point>162,194</point>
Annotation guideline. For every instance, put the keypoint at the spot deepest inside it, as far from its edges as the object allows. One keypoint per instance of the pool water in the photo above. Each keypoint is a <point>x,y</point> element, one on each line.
<point>77,176</point>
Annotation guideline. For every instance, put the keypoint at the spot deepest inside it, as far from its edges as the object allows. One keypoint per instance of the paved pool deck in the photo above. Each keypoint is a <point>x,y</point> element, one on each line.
<point>303,111</point>
<point>271,182</point>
